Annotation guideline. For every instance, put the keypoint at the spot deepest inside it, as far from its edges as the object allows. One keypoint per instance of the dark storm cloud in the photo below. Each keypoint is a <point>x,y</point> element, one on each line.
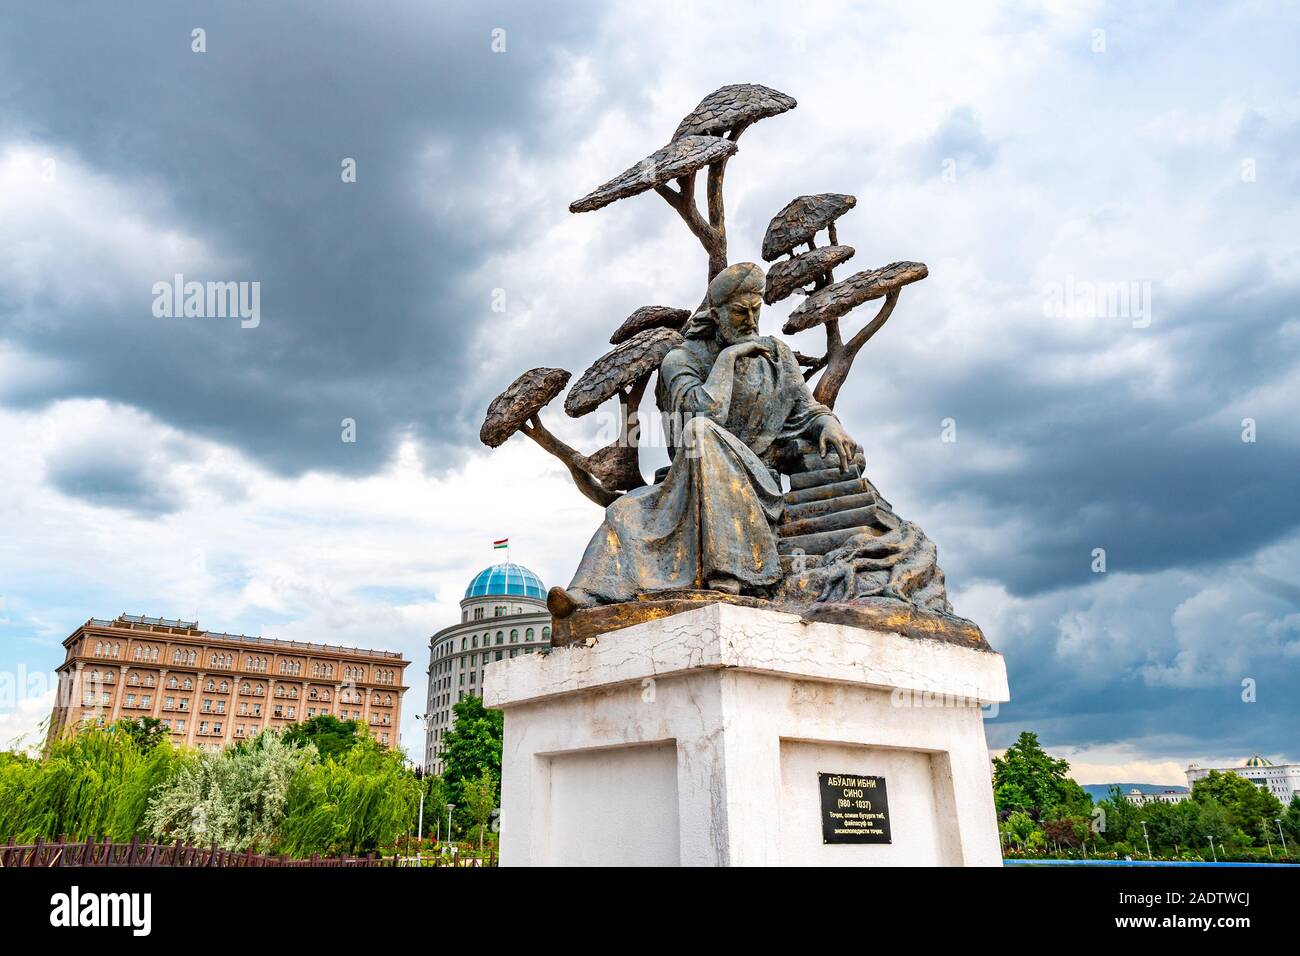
<point>1139,664</point>
<point>1160,479</point>
<point>361,315</point>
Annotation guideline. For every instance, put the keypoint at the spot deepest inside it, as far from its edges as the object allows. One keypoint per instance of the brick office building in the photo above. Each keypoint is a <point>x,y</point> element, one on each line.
<point>210,689</point>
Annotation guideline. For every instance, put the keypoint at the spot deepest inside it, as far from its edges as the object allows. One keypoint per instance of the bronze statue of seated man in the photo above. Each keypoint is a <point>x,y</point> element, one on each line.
<point>710,523</point>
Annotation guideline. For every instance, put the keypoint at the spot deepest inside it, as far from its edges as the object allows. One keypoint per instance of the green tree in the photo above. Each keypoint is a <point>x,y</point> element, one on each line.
<point>1119,817</point>
<point>472,745</point>
<point>1018,827</point>
<point>89,782</point>
<point>1211,822</point>
<point>481,800</point>
<point>1247,807</point>
<point>361,800</point>
<point>1028,779</point>
<point>236,798</point>
<point>436,797</point>
<point>1291,825</point>
<point>327,733</point>
<point>145,732</point>
<point>1171,827</point>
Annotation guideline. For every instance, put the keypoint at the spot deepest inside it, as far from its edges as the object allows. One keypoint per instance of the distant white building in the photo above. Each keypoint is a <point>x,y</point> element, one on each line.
<point>1139,798</point>
<point>1281,780</point>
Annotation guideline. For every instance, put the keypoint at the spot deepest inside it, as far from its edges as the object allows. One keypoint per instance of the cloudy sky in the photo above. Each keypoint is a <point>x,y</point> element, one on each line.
<point>1035,155</point>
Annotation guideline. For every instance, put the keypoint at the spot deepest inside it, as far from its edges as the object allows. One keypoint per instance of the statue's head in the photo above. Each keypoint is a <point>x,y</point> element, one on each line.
<point>735,297</point>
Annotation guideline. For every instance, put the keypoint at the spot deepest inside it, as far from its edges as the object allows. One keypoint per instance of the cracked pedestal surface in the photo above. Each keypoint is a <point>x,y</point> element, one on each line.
<point>696,739</point>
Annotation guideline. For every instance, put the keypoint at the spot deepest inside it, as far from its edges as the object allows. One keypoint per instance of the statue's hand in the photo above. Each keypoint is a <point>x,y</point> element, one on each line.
<point>753,347</point>
<point>833,436</point>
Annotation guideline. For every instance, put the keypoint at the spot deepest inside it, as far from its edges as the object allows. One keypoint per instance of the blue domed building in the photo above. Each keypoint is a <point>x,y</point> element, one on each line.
<point>503,614</point>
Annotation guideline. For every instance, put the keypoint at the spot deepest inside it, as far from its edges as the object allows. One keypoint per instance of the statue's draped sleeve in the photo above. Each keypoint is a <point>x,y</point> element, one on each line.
<point>684,377</point>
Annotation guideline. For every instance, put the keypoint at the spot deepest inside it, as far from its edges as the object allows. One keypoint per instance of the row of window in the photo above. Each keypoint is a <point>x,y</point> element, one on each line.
<point>223,686</point>
<point>91,697</point>
<point>469,641</point>
<point>258,665</point>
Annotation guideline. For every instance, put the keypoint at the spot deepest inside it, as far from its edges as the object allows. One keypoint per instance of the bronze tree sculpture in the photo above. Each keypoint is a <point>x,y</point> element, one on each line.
<point>716,524</point>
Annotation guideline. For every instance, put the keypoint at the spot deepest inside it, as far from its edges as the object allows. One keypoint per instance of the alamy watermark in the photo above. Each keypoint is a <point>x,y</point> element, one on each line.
<point>1099,299</point>
<point>76,909</point>
<point>179,299</point>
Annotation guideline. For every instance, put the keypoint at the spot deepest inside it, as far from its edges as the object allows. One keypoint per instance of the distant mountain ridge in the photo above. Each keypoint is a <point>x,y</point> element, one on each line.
<point>1101,791</point>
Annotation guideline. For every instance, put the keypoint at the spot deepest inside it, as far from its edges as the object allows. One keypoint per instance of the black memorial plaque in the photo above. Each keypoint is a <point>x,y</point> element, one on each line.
<point>855,808</point>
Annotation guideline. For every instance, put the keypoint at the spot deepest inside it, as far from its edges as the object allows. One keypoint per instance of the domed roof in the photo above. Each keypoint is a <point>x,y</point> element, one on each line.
<point>1258,761</point>
<point>506,580</point>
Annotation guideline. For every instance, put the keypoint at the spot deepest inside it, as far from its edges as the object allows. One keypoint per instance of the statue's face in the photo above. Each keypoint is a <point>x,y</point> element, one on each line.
<point>738,319</point>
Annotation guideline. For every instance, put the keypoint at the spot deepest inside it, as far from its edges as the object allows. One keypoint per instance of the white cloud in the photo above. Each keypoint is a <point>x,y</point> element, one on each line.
<point>23,725</point>
<point>377,562</point>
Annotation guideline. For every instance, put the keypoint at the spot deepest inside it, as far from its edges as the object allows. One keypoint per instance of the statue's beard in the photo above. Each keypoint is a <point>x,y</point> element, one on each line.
<point>730,335</point>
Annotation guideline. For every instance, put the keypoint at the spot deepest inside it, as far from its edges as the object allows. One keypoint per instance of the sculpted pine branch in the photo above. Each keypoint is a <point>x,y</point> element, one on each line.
<point>517,410</point>
<point>706,137</point>
<point>827,301</point>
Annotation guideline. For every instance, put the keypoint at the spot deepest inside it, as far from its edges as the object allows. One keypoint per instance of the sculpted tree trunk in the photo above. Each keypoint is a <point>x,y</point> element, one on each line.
<point>840,355</point>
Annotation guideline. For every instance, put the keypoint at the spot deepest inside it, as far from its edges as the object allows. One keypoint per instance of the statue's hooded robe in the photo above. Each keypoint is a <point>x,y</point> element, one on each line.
<point>714,513</point>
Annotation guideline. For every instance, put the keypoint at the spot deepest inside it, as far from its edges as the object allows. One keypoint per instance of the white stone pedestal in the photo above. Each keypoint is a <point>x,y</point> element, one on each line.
<point>697,739</point>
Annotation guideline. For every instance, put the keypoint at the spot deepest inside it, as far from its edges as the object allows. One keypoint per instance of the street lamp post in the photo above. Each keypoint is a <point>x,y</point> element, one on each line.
<point>419,827</point>
<point>1212,853</point>
<point>1146,837</point>
<point>1281,834</point>
<point>450,807</point>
